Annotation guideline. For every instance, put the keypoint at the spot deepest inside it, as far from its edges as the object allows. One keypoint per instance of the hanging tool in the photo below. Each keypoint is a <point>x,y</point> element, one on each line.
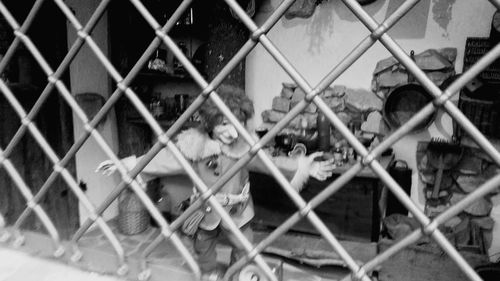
<point>443,155</point>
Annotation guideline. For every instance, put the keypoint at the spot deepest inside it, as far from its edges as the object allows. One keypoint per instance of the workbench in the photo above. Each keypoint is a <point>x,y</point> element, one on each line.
<point>351,213</point>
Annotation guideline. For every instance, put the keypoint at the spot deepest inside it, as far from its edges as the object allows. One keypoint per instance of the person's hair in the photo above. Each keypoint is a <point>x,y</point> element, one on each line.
<point>234,98</point>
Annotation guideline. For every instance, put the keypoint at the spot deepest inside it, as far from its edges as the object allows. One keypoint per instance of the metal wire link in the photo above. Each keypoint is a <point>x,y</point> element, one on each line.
<point>258,35</point>
<point>28,195</point>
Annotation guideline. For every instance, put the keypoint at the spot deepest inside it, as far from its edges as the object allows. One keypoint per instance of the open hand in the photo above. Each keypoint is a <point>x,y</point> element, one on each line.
<point>233,199</point>
<point>320,170</point>
<point>107,168</point>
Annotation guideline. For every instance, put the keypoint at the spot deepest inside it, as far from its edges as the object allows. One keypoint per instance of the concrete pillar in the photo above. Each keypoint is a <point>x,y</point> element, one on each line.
<point>88,75</point>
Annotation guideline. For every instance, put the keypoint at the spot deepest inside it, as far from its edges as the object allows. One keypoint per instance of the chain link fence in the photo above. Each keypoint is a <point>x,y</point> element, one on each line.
<point>258,35</point>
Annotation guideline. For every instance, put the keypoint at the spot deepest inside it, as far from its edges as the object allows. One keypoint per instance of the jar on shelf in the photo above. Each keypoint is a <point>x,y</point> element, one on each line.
<point>178,67</point>
<point>338,154</point>
<point>156,106</point>
<point>351,155</point>
<point>182,102</point>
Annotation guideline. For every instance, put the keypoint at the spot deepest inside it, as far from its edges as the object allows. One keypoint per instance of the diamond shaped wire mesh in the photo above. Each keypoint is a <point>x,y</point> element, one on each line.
<point>258,36</point>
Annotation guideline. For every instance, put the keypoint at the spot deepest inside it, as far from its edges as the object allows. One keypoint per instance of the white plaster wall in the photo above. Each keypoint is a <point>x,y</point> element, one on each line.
<point>88,75</point>
<point>315,45</point>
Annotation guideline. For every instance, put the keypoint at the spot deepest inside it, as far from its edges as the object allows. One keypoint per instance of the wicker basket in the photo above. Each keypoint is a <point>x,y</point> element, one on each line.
<point>482,107</point>
<point>133,218</point>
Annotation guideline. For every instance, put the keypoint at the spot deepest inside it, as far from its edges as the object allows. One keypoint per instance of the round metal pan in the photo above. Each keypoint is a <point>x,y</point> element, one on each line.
<point>405,101</point>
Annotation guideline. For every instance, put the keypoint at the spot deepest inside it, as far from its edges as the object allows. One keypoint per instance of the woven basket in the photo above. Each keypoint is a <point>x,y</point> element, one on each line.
<point>133,218</point>
<point>482,107</point>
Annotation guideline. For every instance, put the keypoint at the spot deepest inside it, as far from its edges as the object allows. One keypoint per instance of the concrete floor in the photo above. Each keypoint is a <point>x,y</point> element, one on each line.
<point>99,260</point>
<point>19,266</point>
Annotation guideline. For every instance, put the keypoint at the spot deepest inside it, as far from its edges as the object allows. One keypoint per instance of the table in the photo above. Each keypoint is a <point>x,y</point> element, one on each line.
<point>351,213</point>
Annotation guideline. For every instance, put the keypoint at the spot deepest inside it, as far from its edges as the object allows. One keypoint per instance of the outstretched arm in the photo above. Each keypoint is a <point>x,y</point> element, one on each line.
<point>287,165</point>
<point>163,164</point>
<point>298,169</point>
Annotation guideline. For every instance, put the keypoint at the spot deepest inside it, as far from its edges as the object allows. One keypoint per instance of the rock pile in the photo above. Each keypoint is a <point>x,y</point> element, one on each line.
<point>471,229</point>
<point>438,65</point>
<point>350,105</point>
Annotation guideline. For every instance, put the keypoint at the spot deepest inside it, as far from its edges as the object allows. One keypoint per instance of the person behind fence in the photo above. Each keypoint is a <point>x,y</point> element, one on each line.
<point>213,148</point>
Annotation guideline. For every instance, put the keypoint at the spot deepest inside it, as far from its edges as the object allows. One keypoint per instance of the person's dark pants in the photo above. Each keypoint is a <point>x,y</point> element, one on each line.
<point>206,240</point>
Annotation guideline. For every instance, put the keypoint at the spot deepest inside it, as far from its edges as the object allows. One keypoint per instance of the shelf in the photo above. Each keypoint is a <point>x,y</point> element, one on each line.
<point>158,76</point>
<point>164,123</point>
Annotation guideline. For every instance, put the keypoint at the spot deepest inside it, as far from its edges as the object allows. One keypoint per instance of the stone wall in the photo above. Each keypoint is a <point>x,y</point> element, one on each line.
<point>351,105</point>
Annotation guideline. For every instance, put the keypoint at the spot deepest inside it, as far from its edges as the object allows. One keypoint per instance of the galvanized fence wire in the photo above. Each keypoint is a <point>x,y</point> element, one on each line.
<point>58,165</point>
<point>58,168</point>
<point>28,195</point>
<point>305,209</point>
<point>38,104</point>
